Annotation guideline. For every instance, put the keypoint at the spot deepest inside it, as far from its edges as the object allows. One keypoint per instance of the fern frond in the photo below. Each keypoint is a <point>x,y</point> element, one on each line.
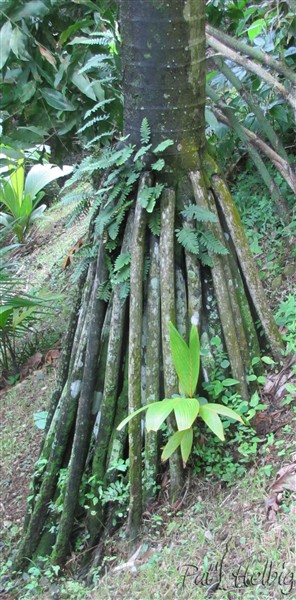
<point>211,243</point>
<point>121,275</point>
<point>95,62</point>
<point>94,38</point>
<point>158,165</point>
<point>187,237</point>
<point>83,257</point>
<point>104,291</point>
<point>146,266</point>
<point>149,195</point>
<point>154,221</point>
<point>92,122</point>
<point>97,107</point>
<point>81,209</point>
<point>103,220</point>
<point>199,214</point>
<point>163,146</point>
<point>205,259</point>
<point>142,151</point>
<point>98,138</point>
<point>124,290</point>
<point>123,259</point>
<point>145,132</point>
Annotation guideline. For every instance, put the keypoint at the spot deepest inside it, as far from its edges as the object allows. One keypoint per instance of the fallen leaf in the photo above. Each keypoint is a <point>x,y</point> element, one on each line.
<point>285,480</point>
<point>52,357</point>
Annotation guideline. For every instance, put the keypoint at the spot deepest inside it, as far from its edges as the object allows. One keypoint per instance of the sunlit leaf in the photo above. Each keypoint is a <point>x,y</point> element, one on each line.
<point>131,416</point>
<point>225,411</point>
<point>256,28</point>
<point>186,412</point>
<point>158,412</point>
<point>181,359</point>
<point>228,382</point>
<point>186,444</point>
<point>40,175</point>
<point>268,360</point>
<point>212,420</point>
<point>194,350</point>
<point>172,444</point>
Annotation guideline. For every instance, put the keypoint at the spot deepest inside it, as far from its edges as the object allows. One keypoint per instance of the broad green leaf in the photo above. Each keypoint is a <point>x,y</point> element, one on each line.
<point>158,412</point>
<point>37,213</point>
<point>211,120</point>
<point>186,412</point>
<point>18,44</point>
<point>9,198</point>
<point>73,28</point>
<point>186,444</point>
<point>83,83</point>
<point>26,206</point>
<point>228,382</point>
<point>172,444</point>
<point>254,401</point>
<point>20,315</point>
<point>10,152</point>
<point>256,28</point>
<point>5,313</point>
<point>27,91</point>
<point>5,37</point>
<point>212,420</point>
<point>267,360</point>
<point>132,415</point>
<point>225,411</point>
<point>7,221</point>
<point>40,419</point>
<point>17,178</point>
<point>40,175</point>
<point>194,349</point>
<point>34,8</point>
<point>56,99</point>
<point>181,360</point>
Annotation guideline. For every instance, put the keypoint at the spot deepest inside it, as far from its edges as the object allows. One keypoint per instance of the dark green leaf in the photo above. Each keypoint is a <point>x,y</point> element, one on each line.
<point>56,100</point>
<point>5,36</point>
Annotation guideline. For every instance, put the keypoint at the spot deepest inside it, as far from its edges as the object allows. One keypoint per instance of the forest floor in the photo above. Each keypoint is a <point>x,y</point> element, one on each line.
<point>221,540</point>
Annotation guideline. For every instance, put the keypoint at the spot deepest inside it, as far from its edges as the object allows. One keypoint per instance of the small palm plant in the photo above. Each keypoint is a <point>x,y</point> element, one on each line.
<point>186,406</point>
<point>21,196</point>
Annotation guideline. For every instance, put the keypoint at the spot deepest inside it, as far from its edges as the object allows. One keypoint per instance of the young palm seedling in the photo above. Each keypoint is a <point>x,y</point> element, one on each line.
<point>186,406</point>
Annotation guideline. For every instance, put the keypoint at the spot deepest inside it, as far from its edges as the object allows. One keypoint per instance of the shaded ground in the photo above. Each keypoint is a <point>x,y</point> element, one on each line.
<point>20,443</point>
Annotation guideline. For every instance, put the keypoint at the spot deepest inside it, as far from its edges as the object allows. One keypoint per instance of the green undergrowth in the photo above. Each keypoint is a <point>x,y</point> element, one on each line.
<point>38,266</point>
<point>272,242</point>
<point>217,543</point>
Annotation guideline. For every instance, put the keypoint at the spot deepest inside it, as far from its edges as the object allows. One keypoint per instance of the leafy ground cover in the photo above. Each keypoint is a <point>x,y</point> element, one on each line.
<point>217,541</point>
